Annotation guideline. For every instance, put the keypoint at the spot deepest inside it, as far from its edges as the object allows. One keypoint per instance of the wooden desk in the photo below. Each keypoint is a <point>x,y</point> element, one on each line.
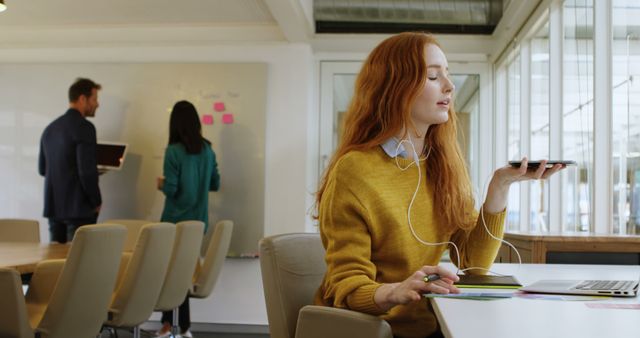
<point>25,256</point>
<point>545,248</point>
<point>535,318</point>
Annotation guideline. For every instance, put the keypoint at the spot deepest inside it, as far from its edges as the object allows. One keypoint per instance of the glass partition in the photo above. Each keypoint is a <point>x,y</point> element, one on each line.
<point>540,125</point>
<point>626,116</point>
<point>513,137</point>
<point>578,112</point>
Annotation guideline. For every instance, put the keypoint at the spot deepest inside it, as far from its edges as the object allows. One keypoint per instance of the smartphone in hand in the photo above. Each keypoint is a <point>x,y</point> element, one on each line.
<point>535,164</point>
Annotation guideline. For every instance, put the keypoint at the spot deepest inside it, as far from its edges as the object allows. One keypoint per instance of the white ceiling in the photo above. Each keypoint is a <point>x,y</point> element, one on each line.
<point>85,23</point>
<point>134,12</point>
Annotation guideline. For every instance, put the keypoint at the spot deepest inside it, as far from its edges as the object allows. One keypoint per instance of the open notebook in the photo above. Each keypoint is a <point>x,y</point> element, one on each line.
<point>487,282</point>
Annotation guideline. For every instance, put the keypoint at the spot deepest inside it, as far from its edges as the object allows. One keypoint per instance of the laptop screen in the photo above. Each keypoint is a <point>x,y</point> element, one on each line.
<point>110,155</point>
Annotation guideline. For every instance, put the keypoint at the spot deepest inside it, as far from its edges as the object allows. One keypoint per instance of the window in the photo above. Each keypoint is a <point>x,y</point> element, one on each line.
<point>557,51</point>
<point>467,108</point>
<point>540,125</point>
<point>578,111</point>
<point>626,116</point>
<point>513,136</point>
<point>337,80</point>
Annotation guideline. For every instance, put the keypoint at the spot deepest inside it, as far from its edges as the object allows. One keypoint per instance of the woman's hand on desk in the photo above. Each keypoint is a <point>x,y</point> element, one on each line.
<point>412,288</point>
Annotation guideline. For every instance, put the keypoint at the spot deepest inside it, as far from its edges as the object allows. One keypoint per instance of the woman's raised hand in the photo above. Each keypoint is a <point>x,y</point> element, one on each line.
<point>510,174</point>
<point>498,189</point>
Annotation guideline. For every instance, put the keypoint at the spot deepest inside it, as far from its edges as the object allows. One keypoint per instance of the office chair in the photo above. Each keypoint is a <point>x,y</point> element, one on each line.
<point>184,257</point>
<point>292,270</point>
<point>133,227</point>
<point>142,273</point>
<point>215,247</point>
<point>66,298</point>
<point>208,268</point>
<point>19,230</point>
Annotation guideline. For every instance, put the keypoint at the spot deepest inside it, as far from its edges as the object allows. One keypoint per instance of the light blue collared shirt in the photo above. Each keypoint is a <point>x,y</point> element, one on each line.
<point>392,149</point>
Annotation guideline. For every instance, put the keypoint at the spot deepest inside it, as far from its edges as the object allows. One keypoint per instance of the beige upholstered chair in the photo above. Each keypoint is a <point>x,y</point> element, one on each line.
<point>14,320</point>
<point>292,269</point>
<point>19,230</point>
<point>141,276</point>
<point>209,267</point>
<point>133,230</point>
<point>206,240</point>
<point>182,265</point>
<point>66,298</point>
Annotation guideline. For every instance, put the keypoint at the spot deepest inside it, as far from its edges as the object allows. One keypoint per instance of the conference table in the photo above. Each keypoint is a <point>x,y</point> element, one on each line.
<point>527,318</point>
<point>24,256</point>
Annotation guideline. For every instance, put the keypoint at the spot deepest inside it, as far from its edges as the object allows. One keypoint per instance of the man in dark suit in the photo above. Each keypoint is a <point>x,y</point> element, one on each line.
<point>68,163</point>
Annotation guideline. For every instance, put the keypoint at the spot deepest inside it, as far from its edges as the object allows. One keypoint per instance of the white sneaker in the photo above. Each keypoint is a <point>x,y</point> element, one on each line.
<point>163,334</point>
<point>186,334</point>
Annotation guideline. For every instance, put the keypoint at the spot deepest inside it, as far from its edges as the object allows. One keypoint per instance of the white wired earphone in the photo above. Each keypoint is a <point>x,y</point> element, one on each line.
<point>416,161</point>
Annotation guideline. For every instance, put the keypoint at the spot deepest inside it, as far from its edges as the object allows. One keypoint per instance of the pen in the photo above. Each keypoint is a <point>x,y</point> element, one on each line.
<point>431,278</point>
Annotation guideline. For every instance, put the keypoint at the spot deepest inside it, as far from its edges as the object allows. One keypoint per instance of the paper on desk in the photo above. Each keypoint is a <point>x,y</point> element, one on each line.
<point>502,295</point>
<point>558,297</point>
<point>613,306</point>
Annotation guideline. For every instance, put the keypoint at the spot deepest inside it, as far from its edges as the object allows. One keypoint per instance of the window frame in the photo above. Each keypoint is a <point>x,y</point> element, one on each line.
<point>601,184</point>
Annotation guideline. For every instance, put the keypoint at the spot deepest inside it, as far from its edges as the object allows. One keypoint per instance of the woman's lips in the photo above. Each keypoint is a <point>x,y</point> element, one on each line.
<point>444,103</point>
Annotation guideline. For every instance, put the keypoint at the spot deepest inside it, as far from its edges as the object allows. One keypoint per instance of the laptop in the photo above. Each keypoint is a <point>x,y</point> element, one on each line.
<point>110,155</point>
<point>616,288</point>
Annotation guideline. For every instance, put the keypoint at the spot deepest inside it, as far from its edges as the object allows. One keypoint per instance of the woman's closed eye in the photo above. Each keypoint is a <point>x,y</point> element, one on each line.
<point>436,76</point>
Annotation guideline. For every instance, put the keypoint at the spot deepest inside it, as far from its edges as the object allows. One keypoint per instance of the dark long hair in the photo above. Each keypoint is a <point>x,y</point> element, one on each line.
<point>185,128</point>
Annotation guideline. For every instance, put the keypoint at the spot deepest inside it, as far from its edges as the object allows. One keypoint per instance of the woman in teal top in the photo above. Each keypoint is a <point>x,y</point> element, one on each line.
<point>190,172</point>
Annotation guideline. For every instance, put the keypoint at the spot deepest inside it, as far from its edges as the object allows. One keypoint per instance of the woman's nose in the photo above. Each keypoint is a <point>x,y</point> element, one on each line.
<point>449,86</point>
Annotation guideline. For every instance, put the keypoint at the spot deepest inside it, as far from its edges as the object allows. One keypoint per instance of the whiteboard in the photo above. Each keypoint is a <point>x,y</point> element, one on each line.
<point>135,104</point>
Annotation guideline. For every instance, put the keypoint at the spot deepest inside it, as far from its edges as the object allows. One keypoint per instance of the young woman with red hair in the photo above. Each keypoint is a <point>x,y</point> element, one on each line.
<point>397,194</point>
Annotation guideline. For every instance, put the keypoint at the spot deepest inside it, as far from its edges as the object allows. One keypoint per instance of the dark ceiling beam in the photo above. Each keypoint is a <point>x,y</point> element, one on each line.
<point>392,28</point>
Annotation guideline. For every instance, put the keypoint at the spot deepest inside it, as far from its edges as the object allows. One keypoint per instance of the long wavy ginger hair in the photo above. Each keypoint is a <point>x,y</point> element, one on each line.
<point>388,84</point>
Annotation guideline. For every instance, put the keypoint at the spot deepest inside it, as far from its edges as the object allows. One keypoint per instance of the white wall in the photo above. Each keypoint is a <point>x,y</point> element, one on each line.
<point>290,69</point>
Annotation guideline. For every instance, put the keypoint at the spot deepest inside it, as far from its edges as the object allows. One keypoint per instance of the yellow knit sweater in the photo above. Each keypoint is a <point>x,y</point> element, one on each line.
<point>364,229</point>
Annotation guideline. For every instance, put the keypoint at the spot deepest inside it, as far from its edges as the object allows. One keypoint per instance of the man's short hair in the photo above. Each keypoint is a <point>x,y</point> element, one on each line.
<point>82,87</point>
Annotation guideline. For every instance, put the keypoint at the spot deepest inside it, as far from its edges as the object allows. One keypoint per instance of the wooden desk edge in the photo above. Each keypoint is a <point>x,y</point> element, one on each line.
<point>46,252</point>
<point>574,237</point>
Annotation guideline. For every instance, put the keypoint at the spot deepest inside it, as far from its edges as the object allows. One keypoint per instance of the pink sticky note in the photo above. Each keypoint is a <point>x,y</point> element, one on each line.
<point>227,118</point>
<point>218,106</point>
<point>207,119</point>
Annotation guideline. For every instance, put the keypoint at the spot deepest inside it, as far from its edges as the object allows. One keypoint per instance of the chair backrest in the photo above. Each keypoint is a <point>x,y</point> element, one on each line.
<point>206,240</point>
<point>133,230</point>
<point>292,270</point>
<point>184,257</point>
<point>13,312</point>
<point>209,268</point>
<point>78,305</point>
<point>19,230</point>
<point>138,289</point>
